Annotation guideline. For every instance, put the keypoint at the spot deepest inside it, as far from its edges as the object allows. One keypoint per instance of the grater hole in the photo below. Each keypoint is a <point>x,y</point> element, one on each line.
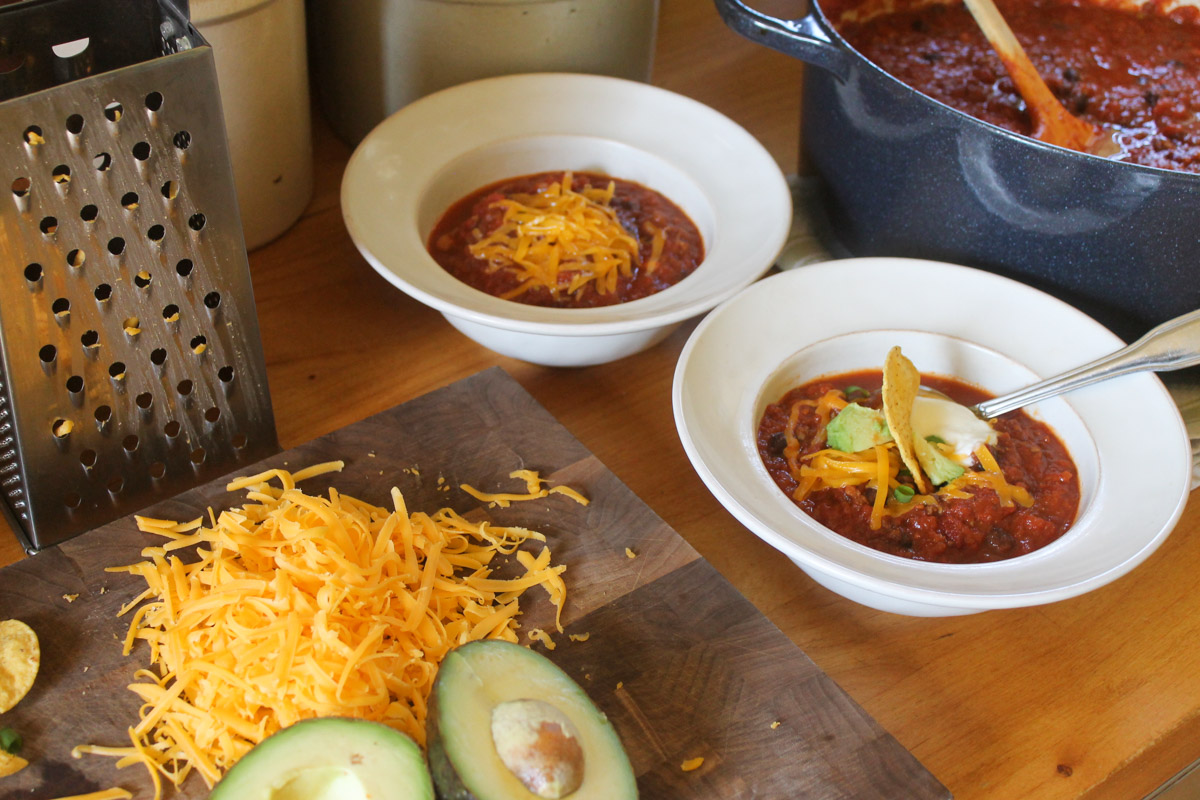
<point>75,384</point>
<point>225,373</point>
<point>183,140</point>
<point>132,326</point>
<point>239,441</point>
<point>116,370</point>
<point>103,293</point>
<point>89,213</point>
<point>88,458</point>
<point>33,136</point>
<point>197,456</point>
<point>48,225</point>
<point>90,339</point>
<point>172,429</point>
<point>156,233</point>
<point>61,174</point>
<point>198,344</point>
<point>61,428</point>
<point>144,401</point>
<point>185,387</point>
<point>158,470</point>
<point>75,258</point>
<point>141,151</point>
<point>129,201</point>
<point>158,356</point>
<point>33,273</point>
<point>115,485</point>
<point>213,414</point>
<point>102,414</point>
<point>113,111</point>
<point>75,124</point>
<point>184,267</point>
<point>197,221</point>
<point>73,500</point>
<point>142,279</point>
<point>212,300</point>
<point>130,443</point>
<point>171,313</point>
<point>21,186</point>
<point>116,245</point>
<point>170,190</point>
<point>75,47</point>
<point>102,162</point>
<point>154,101</point>
<point>48,353</point>
<point>61,307</point>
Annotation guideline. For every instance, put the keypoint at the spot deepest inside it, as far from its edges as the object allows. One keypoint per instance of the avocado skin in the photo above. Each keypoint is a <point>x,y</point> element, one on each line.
<point>445,777</point>
<point>480,658</point>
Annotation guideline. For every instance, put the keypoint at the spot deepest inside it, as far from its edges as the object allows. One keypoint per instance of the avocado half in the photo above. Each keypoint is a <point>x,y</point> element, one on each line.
<point>329,758</point>
<point>505,723</point>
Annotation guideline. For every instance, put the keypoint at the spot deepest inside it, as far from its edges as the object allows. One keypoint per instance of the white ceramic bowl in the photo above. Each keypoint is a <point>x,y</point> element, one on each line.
<point>1126,435</point>
<point>420,160</point>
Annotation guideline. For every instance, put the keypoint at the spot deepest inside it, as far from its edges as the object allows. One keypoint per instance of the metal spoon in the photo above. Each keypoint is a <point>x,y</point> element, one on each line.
<point>1175,344</point>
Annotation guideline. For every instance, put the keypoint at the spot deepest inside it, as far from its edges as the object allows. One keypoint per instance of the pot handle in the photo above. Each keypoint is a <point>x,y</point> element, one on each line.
<point>803,38</point>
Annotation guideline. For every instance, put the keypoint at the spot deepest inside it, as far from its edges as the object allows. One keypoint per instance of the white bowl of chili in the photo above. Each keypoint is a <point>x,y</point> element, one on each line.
<point>975,326</point>
<point>417,164</point>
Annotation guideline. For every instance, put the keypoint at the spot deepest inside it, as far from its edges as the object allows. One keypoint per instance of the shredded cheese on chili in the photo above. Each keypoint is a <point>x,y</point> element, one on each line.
<point>562,240</point>
<point>301,606</point>
<point>878,469</point>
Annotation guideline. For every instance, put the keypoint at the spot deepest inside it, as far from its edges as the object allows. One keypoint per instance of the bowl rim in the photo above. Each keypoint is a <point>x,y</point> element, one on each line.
<point>399,159</point>
<point>1025,580</point>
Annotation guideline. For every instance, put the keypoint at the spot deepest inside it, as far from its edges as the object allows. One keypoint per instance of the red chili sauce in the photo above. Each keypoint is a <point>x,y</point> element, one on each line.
<point>1135,72</point>
<point>640,211</point>
<point>971,530</point>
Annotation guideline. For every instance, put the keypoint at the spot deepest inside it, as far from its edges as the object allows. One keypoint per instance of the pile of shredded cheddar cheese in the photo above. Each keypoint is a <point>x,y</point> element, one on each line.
<point>303,606</point>
<point>558,234</point>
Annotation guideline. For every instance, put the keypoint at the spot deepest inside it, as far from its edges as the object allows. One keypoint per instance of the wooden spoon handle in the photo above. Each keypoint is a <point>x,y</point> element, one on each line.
<point>1051,122</point>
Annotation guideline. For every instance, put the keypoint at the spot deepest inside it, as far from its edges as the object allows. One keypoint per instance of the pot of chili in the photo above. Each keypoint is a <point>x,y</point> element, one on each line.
<point>919,143</point>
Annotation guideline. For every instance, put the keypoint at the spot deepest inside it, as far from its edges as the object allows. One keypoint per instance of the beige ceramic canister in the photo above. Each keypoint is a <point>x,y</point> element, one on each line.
<point>262,71</point>
<point>372,57</point>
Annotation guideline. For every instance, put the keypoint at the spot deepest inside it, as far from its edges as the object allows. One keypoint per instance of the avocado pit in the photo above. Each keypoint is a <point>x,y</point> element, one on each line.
<point>540,746</point>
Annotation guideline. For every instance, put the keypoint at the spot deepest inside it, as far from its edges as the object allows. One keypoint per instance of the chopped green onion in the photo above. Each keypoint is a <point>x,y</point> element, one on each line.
<point>935,439</point>
<point>10,741</point>
<point>849,390</point>
<point>903,493</point>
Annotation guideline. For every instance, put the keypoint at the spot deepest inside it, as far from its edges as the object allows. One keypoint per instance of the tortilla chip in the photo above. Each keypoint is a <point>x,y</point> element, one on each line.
<point>10,763</point>
<point>900,384</point>
<point>20,657</point>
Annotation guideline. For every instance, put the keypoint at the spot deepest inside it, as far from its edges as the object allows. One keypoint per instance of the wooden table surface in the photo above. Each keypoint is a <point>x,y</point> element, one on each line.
<point>1094,697</point>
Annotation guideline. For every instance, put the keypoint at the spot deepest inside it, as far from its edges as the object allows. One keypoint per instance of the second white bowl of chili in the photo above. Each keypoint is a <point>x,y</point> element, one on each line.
<point>1126,437</point>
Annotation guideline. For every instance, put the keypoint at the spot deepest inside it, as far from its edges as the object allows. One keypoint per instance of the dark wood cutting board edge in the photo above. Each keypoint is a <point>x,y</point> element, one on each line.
<point>681,663</point>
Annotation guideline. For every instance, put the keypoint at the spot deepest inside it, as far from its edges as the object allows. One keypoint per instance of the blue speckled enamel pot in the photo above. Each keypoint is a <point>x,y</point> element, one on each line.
<point>904,175</point>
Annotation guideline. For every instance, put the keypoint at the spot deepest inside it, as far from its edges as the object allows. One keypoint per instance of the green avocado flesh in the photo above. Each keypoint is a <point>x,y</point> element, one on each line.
<point>940,468</point>
<point>476,684</point>
<point>857,428</point>
<point>329,759</point>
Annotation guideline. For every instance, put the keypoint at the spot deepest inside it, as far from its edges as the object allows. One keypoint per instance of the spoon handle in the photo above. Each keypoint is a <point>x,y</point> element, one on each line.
<point>1175,344</point>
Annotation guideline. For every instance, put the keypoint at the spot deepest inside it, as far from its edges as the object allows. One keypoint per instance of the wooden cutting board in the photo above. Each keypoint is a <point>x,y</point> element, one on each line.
<point>681,663</point>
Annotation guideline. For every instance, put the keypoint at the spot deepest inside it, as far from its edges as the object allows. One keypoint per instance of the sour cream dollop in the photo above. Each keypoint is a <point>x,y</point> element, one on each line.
<point>953,423</point>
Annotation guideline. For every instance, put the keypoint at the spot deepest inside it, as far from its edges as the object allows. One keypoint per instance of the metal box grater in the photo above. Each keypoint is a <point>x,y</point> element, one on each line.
<point>130,361</point>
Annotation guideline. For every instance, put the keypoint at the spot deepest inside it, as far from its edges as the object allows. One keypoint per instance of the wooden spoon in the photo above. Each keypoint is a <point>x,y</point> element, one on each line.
<point>1052,123</point>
